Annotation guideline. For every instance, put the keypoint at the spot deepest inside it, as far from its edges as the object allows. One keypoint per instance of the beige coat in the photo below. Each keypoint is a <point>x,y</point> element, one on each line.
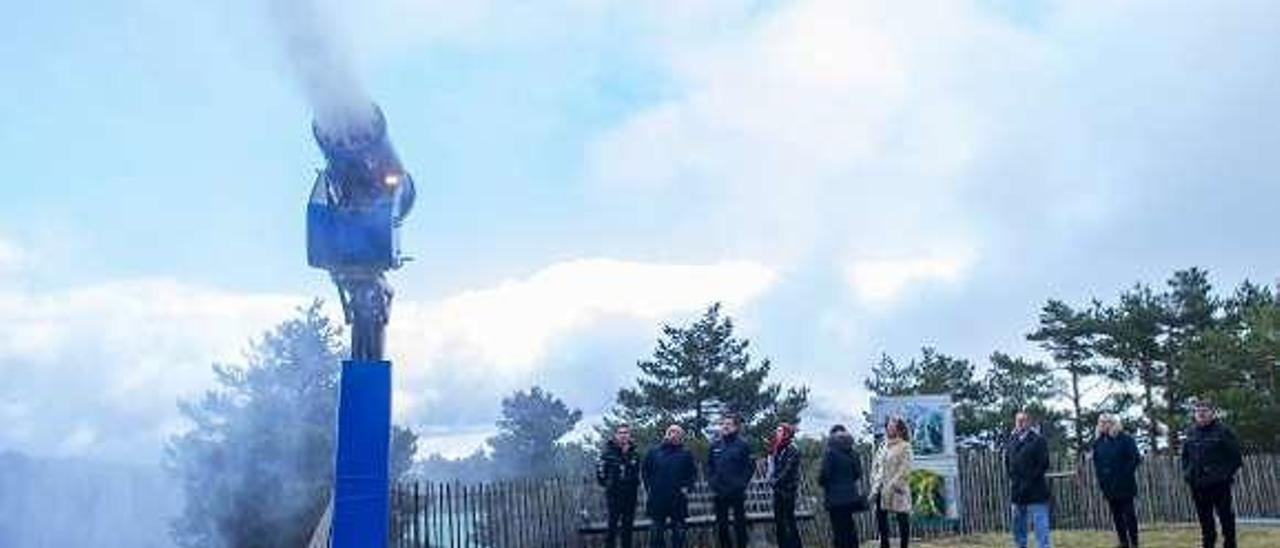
<point>889,476</point>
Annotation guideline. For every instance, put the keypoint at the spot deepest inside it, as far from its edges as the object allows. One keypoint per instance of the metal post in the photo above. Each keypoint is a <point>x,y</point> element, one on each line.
<point>361,475</point>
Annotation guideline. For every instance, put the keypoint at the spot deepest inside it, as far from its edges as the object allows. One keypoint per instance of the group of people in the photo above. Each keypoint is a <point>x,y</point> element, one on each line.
<point>668,471</point>
<point>1210,459</point>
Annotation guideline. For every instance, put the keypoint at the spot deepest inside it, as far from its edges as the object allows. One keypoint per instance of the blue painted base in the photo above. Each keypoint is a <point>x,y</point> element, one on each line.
<point>361,499</point>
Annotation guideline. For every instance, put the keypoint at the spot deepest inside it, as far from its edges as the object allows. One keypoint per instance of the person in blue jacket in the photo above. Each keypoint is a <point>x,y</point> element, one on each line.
<point>729,472</point>
<point>1115,462</point>
<point>668,473</point>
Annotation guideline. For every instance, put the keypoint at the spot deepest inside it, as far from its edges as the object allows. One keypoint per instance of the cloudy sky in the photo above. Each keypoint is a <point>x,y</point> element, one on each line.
<point>849,177</point>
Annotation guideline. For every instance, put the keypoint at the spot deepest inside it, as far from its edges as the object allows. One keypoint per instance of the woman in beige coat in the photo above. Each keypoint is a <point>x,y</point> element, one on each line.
<point>889,487</point>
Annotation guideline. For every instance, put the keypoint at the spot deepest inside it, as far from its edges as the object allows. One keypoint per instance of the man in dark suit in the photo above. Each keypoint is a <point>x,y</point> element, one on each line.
<point>668,472</point>
<point>729,471</point>
<point>618,471</point>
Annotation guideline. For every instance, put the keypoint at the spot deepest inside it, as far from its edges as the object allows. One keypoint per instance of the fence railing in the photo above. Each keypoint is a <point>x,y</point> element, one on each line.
<point>518,514</point>
<point>508,514</point>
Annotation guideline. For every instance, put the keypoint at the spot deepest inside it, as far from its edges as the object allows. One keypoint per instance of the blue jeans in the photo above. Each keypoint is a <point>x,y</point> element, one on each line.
<point>1039,513</point>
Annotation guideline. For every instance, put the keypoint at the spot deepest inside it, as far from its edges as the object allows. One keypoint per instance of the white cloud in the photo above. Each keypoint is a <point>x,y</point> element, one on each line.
<point>511,325</point>
<point>99,369</point>
<point>847,129</point>
<point>880,282</point>
<point>12,257</point>
<point>80,440</point>
<point>452,443</point>
<point>495,338</point>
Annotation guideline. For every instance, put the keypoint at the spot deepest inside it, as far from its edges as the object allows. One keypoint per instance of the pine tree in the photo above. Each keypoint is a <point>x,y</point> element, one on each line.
<point>1237,365</point>
<point>698,372</point>
<point>257,465</point>
<point>1260,385</point>
<point>1130,335</point>
<point>1191,312</point>
<point>887,378</point>
<point>529,433</point>
<point>1069,335</point>
<point>1018,385</point>
<point>935,373</point>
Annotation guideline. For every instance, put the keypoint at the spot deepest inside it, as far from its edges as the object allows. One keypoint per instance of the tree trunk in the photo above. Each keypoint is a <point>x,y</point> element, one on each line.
<point>1075,405</point>
<point>1273,370</point>
<point>1173,396</point>
<point>697,407</point>
<point>1149,406</point>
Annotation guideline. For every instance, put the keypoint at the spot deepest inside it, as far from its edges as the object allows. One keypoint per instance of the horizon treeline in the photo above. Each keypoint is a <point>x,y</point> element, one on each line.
<point>1146,355</point>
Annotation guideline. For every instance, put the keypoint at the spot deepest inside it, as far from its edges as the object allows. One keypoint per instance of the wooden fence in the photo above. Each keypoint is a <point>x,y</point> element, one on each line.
<point>547,514</point>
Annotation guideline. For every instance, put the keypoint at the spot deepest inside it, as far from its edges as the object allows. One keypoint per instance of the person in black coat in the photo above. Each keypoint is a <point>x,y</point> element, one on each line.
<point>1210,459</point>
<point>840,475</point>
<point>1115,461</point>
<point>729,472</point>
<point>668,473</point>
<point>1026,462</point>
<point>618,471</point>
<point>784,477</point>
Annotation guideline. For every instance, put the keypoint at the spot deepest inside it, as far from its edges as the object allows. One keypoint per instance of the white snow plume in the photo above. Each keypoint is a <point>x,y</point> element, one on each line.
<point>321,62</point>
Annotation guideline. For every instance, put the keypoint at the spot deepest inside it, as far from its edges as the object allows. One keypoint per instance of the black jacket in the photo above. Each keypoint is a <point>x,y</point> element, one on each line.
<point>784,474</point>
<point>841,472</point>
<point>1210,455</point>
<point>1115,461</point>
<point>667,471</point>
<point>618,471</point>
<point>729,466</point>
<point>1026,460</point>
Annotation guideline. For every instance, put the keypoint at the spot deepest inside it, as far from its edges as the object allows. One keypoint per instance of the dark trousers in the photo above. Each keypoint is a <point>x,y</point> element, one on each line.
<point>667,521</point>
<point>1211,499</point>
<point>737,504</point>
<point>1125,520</point>
<point>784,521</point>
<point>622,516</point>
<point>844,532</point>
<point>882,526</point>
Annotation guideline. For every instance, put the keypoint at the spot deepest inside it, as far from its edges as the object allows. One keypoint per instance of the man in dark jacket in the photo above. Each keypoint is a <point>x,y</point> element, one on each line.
<point>1115,460</point>
<point>784,477</point>
<point>618,471</point>
<point>841,472</point>
<point>729,471</point>
<point>1210,459</point>
<point>668,473</point>
<point>1026,459</point>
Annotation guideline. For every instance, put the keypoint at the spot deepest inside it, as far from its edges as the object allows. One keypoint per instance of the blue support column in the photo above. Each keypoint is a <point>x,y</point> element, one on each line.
<point>361,499</point>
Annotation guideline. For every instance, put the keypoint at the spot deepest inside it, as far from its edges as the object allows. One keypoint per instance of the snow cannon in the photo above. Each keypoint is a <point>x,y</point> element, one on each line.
<point>353,222</point>
<point>359,199</point>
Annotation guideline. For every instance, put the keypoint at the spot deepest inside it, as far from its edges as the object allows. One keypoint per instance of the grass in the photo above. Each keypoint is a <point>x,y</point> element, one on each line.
<point>1171,536</point>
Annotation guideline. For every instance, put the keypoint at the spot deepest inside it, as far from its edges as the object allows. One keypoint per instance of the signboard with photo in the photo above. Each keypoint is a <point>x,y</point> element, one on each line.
<point>934,481</point>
